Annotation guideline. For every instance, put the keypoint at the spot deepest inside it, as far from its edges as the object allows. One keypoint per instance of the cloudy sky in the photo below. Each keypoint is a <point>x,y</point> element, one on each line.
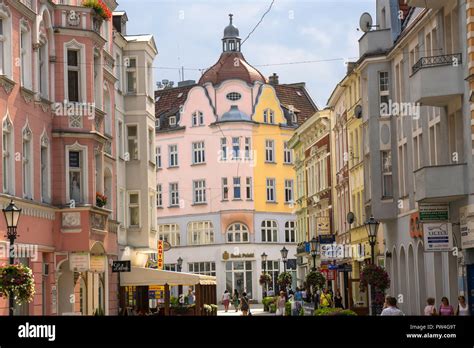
<point>188,33</point>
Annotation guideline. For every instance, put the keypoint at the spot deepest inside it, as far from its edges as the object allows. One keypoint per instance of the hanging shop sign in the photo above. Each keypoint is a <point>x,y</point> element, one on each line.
<point>98,263</point>
<point>323,226</point>
<point>438,236</point>
<point>160,262</point>
<point>416,227</point>
<point>434,212</point>
<point>79,261</point>
<point>327,239</point>
<point>467,229</point>
<point>121,266</point>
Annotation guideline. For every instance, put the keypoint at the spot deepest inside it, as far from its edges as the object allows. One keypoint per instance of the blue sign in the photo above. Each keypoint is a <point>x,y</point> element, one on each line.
<point>307,247</point>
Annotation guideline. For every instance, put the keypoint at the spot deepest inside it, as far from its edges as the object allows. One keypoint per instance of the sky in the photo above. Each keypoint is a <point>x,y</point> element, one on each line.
<point>188,33</point>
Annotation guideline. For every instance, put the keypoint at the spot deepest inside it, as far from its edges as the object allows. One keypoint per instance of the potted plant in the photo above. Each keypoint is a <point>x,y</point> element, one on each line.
<point>315,279</point>
<point>267,301</point>
<point>17,281</point>
<point>334,312</point>
<point>99,7</point>
<point>265,279</point>
<point>284,279</point>
<point>376,277</point>
<point>100,199</point>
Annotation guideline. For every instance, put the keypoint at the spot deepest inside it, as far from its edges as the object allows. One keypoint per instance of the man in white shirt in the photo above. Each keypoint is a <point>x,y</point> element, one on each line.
<point>391,309</point>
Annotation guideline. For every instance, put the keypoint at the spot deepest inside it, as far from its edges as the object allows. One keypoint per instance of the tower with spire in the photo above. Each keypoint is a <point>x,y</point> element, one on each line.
<point>231,39</point>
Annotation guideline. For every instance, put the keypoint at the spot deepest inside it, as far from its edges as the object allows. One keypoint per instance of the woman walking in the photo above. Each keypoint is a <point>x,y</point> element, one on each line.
<point>338,300</point>
<point>463,308</point>
<point>281,302</point>
<point>244,304</point>
<point>226,300</point>
<point>430,308</point>
<point>235,300</point>
<point>445,309</point>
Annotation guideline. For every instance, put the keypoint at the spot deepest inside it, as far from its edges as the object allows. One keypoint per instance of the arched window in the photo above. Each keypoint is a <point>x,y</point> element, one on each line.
<point>169,233</point>
<point>198,118</point>
<point>27,163</point>
<point>8,156</point>
<point>200,232</point>
<point>268,116</point>
<point>290,232</point>
<point>269,231</point>
<point>5,41</point>
<point>237,233</point>
<point>25,55</point>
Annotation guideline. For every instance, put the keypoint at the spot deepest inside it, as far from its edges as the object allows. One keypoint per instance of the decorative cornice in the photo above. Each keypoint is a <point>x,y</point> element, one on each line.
<point>7,84</point>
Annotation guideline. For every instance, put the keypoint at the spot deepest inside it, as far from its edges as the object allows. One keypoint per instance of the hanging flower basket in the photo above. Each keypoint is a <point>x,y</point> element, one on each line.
<point>316,279</point>
<point>284,279</point>
<point>100,199</point>
<point>265,279</point>
<point>375,276</point>
<point>17,281</point>
<point>100,8</point>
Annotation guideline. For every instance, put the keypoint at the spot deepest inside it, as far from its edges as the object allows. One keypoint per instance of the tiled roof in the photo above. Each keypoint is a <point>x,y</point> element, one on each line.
<point>297,97</point>
<point>170,98</point>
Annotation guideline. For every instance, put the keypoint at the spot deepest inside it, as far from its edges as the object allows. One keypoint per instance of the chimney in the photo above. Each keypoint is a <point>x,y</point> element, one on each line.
<point>273,80</point>
<point>350,67</point>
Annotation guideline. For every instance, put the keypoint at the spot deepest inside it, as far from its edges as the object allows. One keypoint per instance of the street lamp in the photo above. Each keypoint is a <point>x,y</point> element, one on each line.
<point>314,250</point>
<point>12,215</point>
<point>372,226</point>
<point>284,256</point>
<point>264,261</point>
<point>180,265</point>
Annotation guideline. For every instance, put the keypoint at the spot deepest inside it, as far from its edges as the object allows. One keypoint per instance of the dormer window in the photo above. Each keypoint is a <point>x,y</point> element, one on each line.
<point>294,119</point>
<point>157,124</point>
<point>198,118</point>
<point>172,121</point>
<point>268,116</point>
<point>233,96</point>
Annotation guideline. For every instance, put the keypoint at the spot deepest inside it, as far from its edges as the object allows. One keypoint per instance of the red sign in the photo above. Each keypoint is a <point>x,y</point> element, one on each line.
<point>416,227</point>
<point>159,258</point>
<point>329,274</point>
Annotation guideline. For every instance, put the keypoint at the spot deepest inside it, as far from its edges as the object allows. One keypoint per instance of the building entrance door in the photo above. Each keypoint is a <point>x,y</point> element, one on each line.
<point>358,300</point>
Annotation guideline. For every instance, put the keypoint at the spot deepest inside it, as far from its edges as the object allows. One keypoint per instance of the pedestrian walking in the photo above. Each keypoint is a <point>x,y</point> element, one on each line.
<point>281,302</point>
<point>226,300</point>
<point>190,296</point>
<point>391,307</point>
<point>298,300</point>
<point>244,304</point>
<point>430,308</point>
<point>338,300</point>
<point>236,300</point>
<point>445,309</point>
<point>463,308</point>
<point>325,300</point>
<point>316,299</point>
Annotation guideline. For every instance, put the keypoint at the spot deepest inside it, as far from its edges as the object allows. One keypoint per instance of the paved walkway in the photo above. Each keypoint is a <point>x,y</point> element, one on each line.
<point>256,309</point>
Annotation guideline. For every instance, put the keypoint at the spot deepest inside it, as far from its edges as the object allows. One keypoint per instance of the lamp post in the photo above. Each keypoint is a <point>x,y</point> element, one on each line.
<point>180,266</point>
<point>314,250</point>
<point>284,256</point>
<point>12,215</point>
<point>264,261</point>
<point>372,226</point>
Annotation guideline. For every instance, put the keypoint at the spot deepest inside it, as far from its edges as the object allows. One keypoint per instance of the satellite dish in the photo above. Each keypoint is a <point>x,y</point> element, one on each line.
<point>350,218</point>
<point>358,111</point>
<point>365,22</point>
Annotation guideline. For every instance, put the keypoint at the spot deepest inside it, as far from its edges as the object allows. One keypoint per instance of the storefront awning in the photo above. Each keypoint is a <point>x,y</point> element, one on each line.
<point>140,276</point>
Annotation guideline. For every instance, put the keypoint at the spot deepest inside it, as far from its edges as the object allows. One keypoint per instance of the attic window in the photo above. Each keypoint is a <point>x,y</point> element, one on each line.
<point>157,124</point>
<point>234,96</point>
<point>180,94</point>
<point>299,93</point>
<point>172,120</point>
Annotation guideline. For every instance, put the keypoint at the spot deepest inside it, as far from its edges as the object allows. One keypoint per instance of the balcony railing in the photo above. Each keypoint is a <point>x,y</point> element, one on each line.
<point>428,62</point>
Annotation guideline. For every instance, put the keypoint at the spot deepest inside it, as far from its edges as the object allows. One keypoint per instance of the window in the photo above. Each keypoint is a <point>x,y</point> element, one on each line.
<point>158,157</point>
<point>199,191</point>
<point>27,164</point>
<point>132,141</point>
<point>268,116</point>
<point>233,96</point>
<point>151,152</point>
<point>149,72</point>
<point>225,189</point>
<point>152,212</point>
<point>238,276</point>
<point>2,46</point>
<point>120,138</point>
<point>198,118</point>
<point>290,232</point>
<point>204,268</point>
<point>288,191</point>
<point>118,71</point>
<point>159,195</point>
<point>173,155</point>
<point>248,188</point>
<point>169,233</point>
<point>157,124</point>
<point>237,194</point>
<point>402,168</point>
<point>200,232</point>
<point>131,64</point>
<point>237,233</point>
<point>172,120</point>
<point>271,197</point>
<point>25,55</point>
<point>8,157</point>
<point>76,192</point>
<point>198,153</point>
<point>248,148</point>
<point>287,154</point>
<point>269,229</point>
<point>133,209</point>
<point>43,61</point>
<point>174,194</point>
<point>269,151</point>
<point>387,185</point>
<point>383,88</point>
<point>223,154</point>
<point>44,180</point>
<point>236,148</point>
<point>73,75</point>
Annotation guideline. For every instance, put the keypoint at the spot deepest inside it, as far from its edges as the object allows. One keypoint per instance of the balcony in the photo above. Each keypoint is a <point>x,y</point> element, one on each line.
<point>375,41</point>
<point>434,4</point>
<point>441,183</point>
<point>435,80</point>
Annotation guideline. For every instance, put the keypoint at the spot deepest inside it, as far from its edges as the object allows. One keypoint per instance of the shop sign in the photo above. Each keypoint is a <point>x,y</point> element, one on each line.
<point>79,262</point>
<point>226,255</point>
<point>98,263</point>
<point>156,292</point>
<point>327,239</point>
<point>434,212</point>
<point>438,236</point>
<point>345,268</point>
<point>121,266</point>
<point>467,229</point>
<point>416,227</point>
<point>160,262</point>
<point>323,225</point>
<point>329,274</point>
